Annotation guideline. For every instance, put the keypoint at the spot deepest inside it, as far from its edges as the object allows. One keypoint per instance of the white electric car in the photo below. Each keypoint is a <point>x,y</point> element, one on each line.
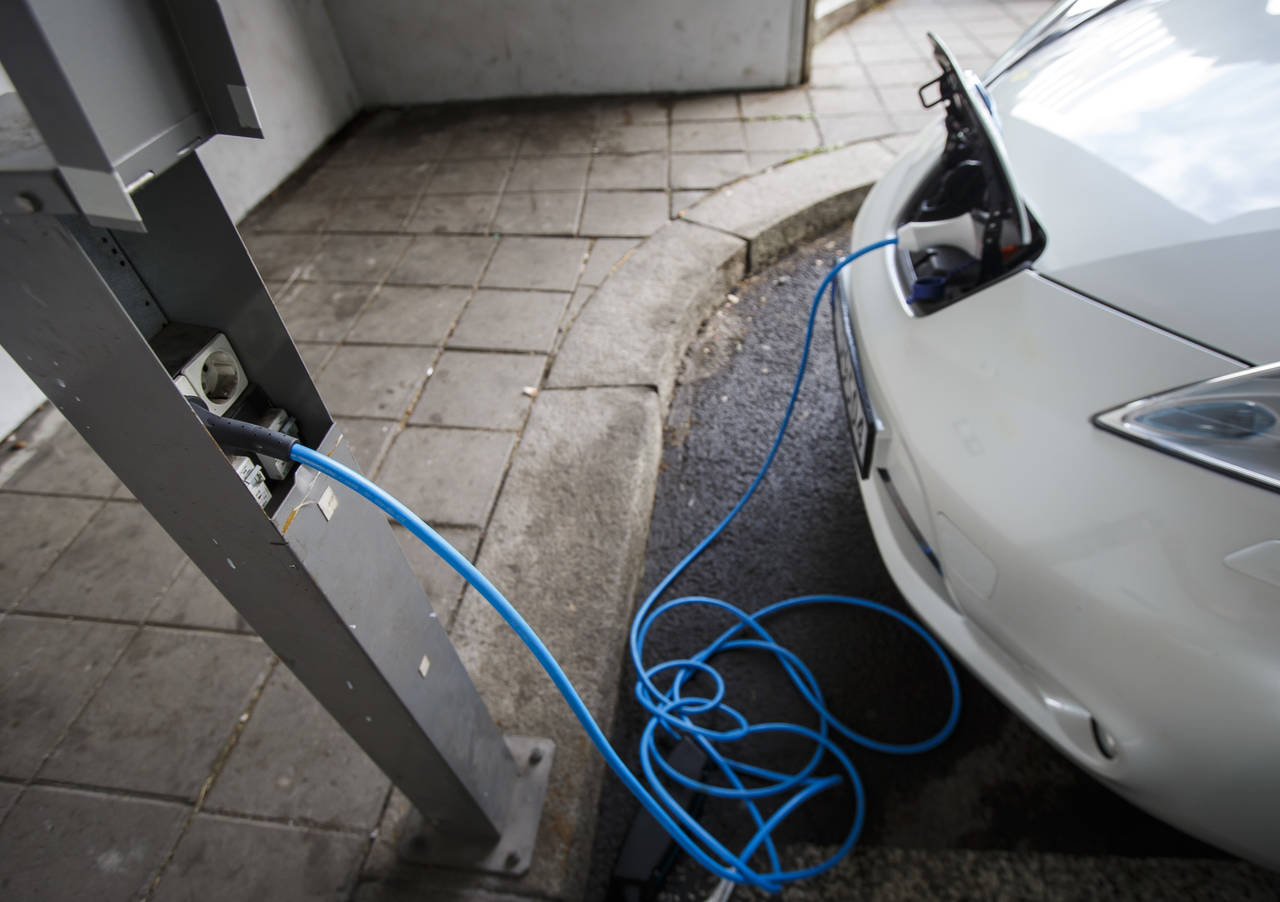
<point>1063,392</point>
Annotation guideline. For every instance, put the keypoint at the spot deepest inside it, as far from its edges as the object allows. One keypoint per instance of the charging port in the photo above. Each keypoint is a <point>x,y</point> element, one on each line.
<point>966,225</point>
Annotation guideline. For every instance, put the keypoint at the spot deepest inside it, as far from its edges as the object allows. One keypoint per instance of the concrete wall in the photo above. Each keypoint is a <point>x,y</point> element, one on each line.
<point>301,88</point>
<point>410,51</point>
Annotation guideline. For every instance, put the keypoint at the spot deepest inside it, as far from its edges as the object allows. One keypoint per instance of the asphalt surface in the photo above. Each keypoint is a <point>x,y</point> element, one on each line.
<point>994,785</point>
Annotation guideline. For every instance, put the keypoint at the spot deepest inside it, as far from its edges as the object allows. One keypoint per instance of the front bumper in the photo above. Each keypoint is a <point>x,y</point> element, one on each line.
<point>1078,575</point>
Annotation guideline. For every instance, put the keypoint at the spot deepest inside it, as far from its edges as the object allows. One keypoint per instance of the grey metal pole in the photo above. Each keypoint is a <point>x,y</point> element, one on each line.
<point>326,585</point>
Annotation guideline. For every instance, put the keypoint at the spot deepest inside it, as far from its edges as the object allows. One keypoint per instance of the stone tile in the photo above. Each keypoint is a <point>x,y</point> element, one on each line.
<point>225,859</point>
<point>164,713</point>
<point>115,569</point>
<point>539,212</point>
<point>543,263</point>
<point>706,170</point>
<point>321,311</point>
<point>549,174</point>
<point>914,72</point>
<point>384,181</point>
<point>9,793</point>
<point>846,76</point>
<point>709,106</point>
<point>605,255</point>
<point>631,139</point>
<point>578,301</point>
<point>760,160</point>
<point>790,102</point>
<point>484,141</point>
<point>280,256</point>
<point>453,213</point>
<point>624,213</point>
<point>842,102</point>
<point>291,216</point>
<point>355,258</point>
<point>328,183</point>
<point>548,139</point>
<point>448,476</point>
<point>901,98</point>
<point>354,150</point>
<point>888,51</point>
<point>681,201</point>
<point>481,391</point>
<point>695,136</point>
<point>441,582</point>
<point>50,669</point>
<point>641,170</point>
<point>781,134</point>
<point>859,127</point>
<point>371,214</point>
<point>294,761</point>
<point>506,320</point>
<point>443,260</point>
<point>469,177</point>
<point>412,148</point>
<point>638,111</point>
<point>314,356</point>
<point>63,464</point>
<point>835,50</point>
<point>994,24</point>
<point>409,314</point>
<point>368,439</point>
<point>62,844</point>
<point>193,600</point>
<point>373,381</point>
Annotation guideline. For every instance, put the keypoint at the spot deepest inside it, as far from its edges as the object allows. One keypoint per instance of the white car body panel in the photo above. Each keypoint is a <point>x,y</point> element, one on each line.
<point>1084,576</point>
<point>1145,142</point>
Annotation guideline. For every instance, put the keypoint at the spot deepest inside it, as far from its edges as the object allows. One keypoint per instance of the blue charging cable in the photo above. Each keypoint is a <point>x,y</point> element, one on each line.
<point>679,712</point>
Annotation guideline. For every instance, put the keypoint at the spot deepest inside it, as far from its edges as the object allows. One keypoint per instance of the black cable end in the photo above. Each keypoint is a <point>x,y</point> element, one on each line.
<point>239,437</point>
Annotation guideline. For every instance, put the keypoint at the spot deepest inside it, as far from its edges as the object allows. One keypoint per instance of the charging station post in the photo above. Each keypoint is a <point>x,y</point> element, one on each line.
<point>111,235</point>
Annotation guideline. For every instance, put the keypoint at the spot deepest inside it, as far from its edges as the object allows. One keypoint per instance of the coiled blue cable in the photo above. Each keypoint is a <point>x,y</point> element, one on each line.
<point>680,713</point>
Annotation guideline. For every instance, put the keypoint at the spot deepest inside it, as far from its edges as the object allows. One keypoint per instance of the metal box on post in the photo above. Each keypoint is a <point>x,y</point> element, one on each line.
<point>112,236</point>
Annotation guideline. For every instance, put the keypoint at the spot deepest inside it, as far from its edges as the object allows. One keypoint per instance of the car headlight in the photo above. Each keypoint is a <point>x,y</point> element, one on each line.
<point>1230,424</point>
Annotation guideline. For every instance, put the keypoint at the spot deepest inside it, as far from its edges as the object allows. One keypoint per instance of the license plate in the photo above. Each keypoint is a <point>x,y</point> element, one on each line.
<point>862,419</point>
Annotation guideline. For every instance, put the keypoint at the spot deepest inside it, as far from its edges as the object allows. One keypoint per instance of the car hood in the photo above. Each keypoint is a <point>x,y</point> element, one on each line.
<point>1145,143</point>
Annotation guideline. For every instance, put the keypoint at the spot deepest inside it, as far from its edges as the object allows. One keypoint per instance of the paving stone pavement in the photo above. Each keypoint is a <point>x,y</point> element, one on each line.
<point>429,264</point>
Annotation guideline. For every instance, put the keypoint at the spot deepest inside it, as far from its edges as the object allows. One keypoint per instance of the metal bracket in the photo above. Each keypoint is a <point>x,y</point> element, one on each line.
<point>423,842</point>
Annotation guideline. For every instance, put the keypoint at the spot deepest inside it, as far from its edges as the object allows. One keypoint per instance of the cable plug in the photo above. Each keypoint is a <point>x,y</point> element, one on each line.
<point>239,437</point>
<point>963,232</point>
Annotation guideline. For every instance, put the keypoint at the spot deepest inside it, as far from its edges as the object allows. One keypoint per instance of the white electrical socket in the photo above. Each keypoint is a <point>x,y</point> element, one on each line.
<point>214,375</point>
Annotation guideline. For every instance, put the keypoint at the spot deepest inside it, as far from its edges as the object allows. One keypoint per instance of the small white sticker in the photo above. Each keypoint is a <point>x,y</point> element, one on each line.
<point>423,666</point>
<point>328,503</point>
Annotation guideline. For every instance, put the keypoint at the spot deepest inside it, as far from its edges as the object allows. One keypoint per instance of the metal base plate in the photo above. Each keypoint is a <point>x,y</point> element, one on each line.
<point>423,843</point>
